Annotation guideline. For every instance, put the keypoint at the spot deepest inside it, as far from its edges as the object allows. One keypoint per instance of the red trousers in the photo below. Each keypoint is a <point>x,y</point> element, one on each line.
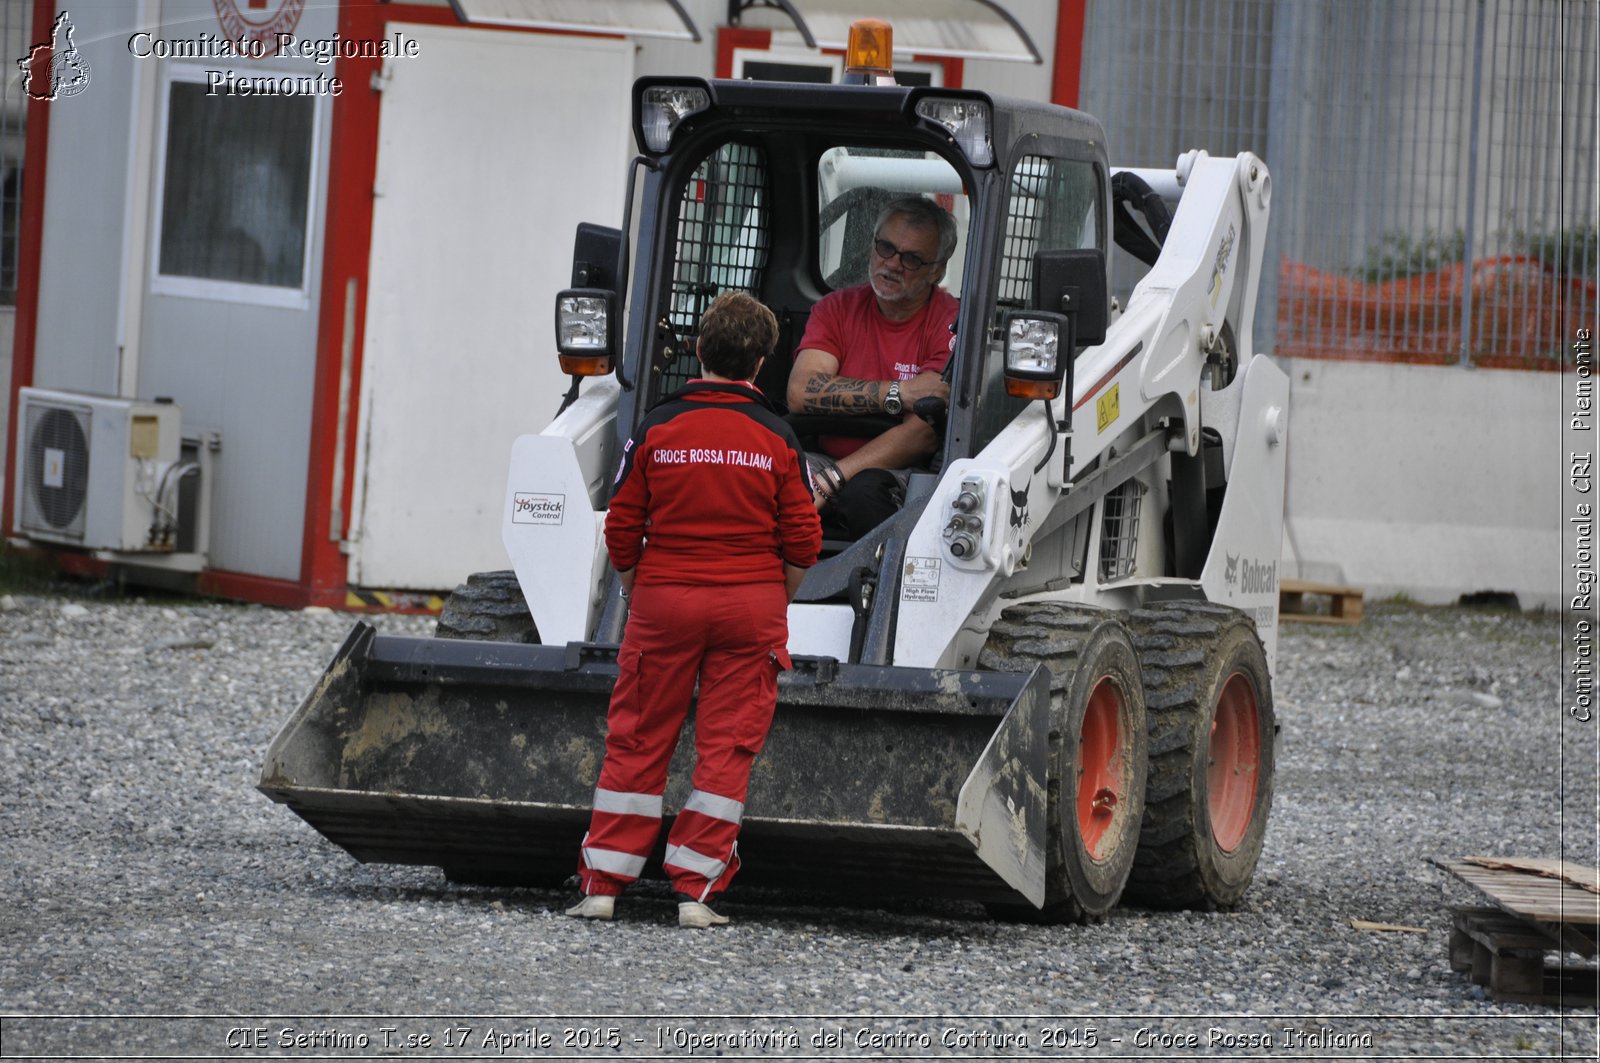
<point>732,640</point>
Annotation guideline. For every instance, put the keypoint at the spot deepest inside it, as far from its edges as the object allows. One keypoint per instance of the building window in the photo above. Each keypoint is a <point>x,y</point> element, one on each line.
<point>235,202</point>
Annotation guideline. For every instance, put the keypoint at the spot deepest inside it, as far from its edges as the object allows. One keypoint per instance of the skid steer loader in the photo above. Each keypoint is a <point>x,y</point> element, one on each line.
<point>1044,682</point>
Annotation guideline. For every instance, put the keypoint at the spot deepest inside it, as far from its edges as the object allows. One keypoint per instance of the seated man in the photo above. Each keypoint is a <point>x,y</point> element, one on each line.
<point>878,348</point>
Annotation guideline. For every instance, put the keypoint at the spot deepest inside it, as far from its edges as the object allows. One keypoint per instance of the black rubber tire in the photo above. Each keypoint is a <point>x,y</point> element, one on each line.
<point>1081,646</point>
<point>488,607</point>
<point>1188,651</point>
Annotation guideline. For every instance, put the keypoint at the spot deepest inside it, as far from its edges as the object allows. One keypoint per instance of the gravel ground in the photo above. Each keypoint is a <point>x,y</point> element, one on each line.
<point>143,875</point>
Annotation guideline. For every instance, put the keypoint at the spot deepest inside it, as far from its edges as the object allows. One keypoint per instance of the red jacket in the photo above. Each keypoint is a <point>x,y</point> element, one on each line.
<point>712,489</point>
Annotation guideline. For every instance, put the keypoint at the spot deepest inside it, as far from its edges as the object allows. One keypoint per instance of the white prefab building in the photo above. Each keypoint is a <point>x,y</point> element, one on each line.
<point>330,252</point>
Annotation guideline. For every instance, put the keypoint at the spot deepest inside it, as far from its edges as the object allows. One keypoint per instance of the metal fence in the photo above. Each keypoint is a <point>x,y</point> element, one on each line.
<point>1433,161</point>
<point>14,30</point>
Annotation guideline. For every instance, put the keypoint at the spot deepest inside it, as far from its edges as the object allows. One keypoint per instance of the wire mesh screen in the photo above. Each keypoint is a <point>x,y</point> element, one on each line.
<point>1433,161</point>
<point>1119,531</point>
<point>724,232</point>
<point>1052,206</point>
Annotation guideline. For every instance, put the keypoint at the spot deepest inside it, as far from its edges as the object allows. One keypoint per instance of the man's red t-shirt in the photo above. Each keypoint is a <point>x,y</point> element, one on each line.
<point>848,325</point>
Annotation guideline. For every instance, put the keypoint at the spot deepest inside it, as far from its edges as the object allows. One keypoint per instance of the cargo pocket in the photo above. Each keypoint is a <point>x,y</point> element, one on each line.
<point>756,720</point>
<point>622,719</point>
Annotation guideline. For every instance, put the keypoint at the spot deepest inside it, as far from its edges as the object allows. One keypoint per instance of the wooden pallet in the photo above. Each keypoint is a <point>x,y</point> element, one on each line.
<point>1507,956</point>
<point>1344,603</point>
<point>1545,909</point>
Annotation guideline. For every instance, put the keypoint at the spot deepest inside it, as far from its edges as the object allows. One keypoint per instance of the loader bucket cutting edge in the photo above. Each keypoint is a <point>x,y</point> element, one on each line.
<point>481,758</point>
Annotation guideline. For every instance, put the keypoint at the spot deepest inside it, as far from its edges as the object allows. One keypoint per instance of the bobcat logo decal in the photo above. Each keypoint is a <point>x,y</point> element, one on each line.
<point>1019,506</point>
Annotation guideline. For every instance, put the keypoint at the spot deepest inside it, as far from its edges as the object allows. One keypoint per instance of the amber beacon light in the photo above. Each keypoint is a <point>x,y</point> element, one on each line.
<point>869,56</point>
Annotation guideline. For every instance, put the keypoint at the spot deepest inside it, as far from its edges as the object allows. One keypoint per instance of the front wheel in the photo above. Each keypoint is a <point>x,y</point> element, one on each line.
<point>1097,768</point>
<point>1212,736</point>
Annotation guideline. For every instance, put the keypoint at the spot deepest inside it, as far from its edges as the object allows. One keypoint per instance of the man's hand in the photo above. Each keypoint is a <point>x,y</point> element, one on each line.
<point>924,386</point>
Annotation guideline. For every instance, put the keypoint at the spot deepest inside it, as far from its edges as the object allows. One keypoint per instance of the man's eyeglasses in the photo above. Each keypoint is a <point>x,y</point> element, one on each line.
<point>909,260</point>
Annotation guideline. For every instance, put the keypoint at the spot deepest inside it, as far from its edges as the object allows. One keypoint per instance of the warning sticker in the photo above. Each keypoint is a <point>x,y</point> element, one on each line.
<point>920,581</point>
<point>1106,409</point>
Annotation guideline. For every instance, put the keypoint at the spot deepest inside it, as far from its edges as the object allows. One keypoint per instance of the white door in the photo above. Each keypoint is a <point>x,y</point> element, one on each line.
<point>492,146</point>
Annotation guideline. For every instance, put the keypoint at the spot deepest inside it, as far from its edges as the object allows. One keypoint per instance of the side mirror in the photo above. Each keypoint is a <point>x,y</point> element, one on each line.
<point>1074,283</point>
<point>595,255</point>
<point>584,319</point>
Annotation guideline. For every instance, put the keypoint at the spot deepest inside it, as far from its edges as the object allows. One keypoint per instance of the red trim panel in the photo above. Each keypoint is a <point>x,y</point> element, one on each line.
<point>732,37</point>
<point>261,589</point>
<point>1069,53</point>
<point>30,247</point>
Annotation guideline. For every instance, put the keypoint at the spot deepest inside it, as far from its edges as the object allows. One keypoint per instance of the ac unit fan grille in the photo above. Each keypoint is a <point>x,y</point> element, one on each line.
<point>58,470</point>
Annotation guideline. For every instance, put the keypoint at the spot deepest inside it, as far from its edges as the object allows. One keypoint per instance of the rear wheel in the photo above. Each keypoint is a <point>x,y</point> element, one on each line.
<point>1097,751</point>
<point>488,607</point>
<point>1212,730</point>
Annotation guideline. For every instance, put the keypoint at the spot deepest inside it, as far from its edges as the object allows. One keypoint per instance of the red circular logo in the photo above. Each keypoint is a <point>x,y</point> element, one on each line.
<point>257,23</point>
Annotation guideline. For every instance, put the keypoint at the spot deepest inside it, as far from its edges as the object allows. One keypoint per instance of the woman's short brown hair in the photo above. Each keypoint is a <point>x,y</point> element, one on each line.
<point>736,332</point>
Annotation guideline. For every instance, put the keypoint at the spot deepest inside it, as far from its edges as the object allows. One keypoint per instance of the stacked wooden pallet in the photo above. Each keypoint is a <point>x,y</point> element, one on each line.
<point>1542,907</point>
<point>1343,603</point>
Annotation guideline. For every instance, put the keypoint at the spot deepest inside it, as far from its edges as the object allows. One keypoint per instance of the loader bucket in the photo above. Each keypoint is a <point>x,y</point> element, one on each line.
<point>481,758</point>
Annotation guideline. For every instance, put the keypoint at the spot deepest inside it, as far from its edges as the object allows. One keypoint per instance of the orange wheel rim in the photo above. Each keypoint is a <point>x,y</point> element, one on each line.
<point>1102,766</point>
<point>1234,772</point>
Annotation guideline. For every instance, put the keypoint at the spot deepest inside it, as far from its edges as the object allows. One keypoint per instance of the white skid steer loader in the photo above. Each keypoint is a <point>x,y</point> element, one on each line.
<point>1045,681</point>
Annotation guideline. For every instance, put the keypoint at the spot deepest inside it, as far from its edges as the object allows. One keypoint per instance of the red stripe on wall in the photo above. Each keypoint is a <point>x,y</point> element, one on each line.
<point>1069,53</point>
<point>30,245</point>
<point>732,37</point>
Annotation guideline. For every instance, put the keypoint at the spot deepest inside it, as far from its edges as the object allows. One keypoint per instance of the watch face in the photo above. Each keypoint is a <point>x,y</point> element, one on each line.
<point>891,401</point>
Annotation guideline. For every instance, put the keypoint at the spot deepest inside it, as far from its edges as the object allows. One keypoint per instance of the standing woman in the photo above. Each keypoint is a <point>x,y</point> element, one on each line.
<point>711,528</point>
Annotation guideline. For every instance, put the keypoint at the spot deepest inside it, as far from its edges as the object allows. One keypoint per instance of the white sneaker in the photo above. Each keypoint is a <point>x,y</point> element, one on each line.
<point>697,916</point>
<point>594,906</point>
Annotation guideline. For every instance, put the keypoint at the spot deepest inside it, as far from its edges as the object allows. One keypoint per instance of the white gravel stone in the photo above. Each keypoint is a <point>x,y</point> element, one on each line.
<point>144,873</point>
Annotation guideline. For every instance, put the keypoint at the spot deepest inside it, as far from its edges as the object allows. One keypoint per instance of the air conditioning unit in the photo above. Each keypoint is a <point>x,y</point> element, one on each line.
<point>97,472</point>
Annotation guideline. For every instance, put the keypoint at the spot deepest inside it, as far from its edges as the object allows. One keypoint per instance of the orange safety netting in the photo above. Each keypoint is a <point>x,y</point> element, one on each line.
<point>1524,315</point>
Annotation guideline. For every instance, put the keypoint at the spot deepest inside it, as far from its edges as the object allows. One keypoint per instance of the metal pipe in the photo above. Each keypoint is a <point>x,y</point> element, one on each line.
<point>1469,248</point>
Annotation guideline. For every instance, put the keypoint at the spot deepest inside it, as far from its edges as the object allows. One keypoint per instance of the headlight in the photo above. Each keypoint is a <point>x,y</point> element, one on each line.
<point>662,108</point>
<point>967,121</point>
<point>583,331</point>
<point>1038,347</point>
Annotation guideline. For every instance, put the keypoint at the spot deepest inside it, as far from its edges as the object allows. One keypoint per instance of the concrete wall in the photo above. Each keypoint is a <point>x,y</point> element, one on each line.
<point>1427,481</point>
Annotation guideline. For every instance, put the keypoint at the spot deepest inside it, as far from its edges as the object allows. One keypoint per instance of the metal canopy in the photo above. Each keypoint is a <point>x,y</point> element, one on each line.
<point>965,29</point>
<point>636,18</point>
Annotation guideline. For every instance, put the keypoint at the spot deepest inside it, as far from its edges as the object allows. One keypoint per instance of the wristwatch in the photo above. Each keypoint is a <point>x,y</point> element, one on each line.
<point>891,401</point>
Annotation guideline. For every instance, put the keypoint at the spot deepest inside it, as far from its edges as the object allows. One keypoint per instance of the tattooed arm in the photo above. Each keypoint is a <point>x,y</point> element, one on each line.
<point>815,386</point>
